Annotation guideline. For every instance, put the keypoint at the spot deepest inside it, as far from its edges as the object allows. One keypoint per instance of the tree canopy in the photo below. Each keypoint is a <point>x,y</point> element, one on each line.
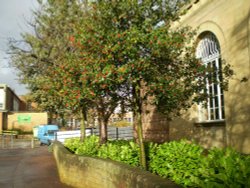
<point>103,53</point>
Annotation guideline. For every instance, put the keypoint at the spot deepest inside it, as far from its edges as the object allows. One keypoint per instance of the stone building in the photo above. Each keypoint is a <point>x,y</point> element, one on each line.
<point>223,34</point>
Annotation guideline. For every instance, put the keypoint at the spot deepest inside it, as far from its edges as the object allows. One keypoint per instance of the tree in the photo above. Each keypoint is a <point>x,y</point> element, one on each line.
<point>39,53</point>
<point>119,32</point>
<point>131,44</point>
<point>56,73</point>
<point>98,74</point>
<point>117,52</point>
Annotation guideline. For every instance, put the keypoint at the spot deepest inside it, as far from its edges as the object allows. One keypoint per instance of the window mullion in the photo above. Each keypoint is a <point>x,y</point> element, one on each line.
<point>208,98</point>
<point>219,90</point>
<point>208,51</point>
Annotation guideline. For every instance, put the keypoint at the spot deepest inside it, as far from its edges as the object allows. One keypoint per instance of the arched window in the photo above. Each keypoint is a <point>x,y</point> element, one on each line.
<point>208,51</point>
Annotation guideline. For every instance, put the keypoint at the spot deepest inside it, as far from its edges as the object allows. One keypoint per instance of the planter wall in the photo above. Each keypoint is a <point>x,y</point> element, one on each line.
<point>83,171</point>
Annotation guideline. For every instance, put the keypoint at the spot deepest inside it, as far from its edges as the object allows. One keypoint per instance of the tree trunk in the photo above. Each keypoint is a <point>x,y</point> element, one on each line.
<point>135,119</point>
<point>103,126</point>
<point>62,119</point>
<point>143,161</point>
<point>83,124</point>
<point>50,117</point>
<point>138,116</point>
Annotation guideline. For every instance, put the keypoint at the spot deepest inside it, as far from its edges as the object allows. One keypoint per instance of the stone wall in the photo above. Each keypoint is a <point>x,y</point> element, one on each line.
<point>229,21</point>
<point>155,125</point>
<point>83,171</point>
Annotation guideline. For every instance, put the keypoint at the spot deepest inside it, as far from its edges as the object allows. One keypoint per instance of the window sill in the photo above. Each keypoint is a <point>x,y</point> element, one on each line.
<point>210,123</point>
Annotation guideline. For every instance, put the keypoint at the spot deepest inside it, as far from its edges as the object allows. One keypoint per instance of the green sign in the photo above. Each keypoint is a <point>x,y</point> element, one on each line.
<point>24,118</point>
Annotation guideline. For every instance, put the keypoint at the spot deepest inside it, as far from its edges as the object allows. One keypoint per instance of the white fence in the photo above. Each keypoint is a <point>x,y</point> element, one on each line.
<point>114,133</point>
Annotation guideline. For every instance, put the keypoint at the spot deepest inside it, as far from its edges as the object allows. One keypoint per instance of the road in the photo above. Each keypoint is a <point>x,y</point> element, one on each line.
<point>28,168</point>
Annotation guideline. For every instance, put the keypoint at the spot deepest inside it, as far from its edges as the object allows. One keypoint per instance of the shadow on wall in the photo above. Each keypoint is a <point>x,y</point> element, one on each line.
<point>238,102</point>
<point>155,125</point>
<point>235,133</point>
<point>242,29</point>
<point>210,136</point>
<point>181,128</point>
<point>207,136</point>
<point>238,117</point>
<point>15,125</point>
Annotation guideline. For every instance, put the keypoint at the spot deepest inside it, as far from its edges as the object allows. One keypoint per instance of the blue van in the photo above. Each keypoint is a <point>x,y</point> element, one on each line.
<point>46,133</point>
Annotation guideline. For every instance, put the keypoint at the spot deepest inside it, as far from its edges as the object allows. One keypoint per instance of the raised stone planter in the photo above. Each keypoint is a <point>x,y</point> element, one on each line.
<point>90,172</point>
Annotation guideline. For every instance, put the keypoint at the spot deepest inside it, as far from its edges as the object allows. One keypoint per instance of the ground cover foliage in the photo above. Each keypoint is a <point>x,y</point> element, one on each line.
<point>184,162</point>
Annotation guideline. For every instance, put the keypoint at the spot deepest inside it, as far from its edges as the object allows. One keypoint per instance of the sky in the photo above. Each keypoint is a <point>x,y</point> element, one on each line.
<point>14,15</point>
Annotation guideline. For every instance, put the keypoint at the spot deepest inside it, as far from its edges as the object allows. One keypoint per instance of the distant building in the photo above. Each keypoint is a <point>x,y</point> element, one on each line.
<point>9,101</point>
<point>15,114</point>
<point>119,121</point>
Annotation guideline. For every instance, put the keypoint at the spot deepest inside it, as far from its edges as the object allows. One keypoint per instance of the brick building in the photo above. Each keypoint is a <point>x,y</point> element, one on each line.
<point>15,114</point>
<point>9,101</point>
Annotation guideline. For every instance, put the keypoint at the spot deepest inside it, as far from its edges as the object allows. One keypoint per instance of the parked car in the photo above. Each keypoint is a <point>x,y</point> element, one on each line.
<point>46,133</point>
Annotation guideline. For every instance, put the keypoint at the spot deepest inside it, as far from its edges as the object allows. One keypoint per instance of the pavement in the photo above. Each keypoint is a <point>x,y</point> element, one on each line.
<point>28,168</point>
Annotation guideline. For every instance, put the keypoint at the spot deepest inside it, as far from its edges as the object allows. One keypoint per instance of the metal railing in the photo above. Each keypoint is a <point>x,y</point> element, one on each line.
<point>114,133</point>
<point>9,140</point>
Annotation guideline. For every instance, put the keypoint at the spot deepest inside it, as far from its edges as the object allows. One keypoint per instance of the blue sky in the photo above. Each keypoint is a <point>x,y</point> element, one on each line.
<point>14,15</point>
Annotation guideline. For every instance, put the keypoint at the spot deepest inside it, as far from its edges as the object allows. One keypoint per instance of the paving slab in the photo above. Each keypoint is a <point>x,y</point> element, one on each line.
<point>28,168</point>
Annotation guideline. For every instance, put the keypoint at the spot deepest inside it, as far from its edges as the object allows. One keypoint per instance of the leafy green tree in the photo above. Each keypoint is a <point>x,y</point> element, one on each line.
<point>131,44</point>
<point>56,73</point>
<point>68,86</point>
<point>97,76</point>
<point>110,53</point>
<point>39,53</point>
<point>118,37</point>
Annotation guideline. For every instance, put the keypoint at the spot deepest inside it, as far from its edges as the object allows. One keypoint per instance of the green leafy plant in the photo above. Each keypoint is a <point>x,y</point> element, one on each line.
<point>120,150</point>
<point>72,144</point>
<point>89,146</point>
<point>226,168</point>
<point>177,160</point>
<point>117,150</point>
